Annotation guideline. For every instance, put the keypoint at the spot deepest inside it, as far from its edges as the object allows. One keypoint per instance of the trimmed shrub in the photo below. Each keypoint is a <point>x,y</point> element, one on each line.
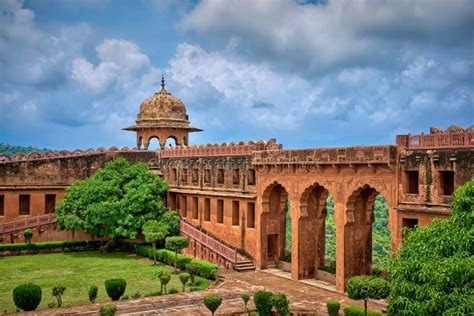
<point>364,287</point>
<point>193,270</point>
<point>58,292</point>
<point>281,303</point>
<point>333,307</point>
<point>164,280</point>
<point>115,288</point>
<point>184,278</point>
<point>93,293</point>
<point>212,302</point>
<point>136,295</point>
<point>359,311</point>
<point>262,301</point>
<point>28,234</point>
<point>173,291</point>
<point>108,310</point>
<point>52,245</point>
<point>206,269</point>
<point>27,296</point>
<point>245,297</point>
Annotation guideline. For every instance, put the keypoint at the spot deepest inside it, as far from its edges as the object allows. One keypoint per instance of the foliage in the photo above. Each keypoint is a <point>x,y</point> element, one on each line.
<point>330,268</point>
<point>184,278</point>
<point>365,287</point>
<point>193,270</point>
<point>173,290</point>
<point>333,307</point>
<point>27,296</point>
<point>153,232</point>
<point>262,301</point>
<point>93,293</point>
<point>12,150</point>
<point>52,245</point>
<point>288,232</point>
<point>115,202</point>
<point>137,294</point>
<point>108,310</point>
<point>58,292</point>
<point>164,278</point>
<point>28,234</point>
<point>212,302</point>
<point>77,271</point>
<point>433,272</point>
<point>359,311</point>
<point>281,303</point>
<point>115,288</point>
<point>176,243</point>
<point>245,297</point>
<point>381,238</point>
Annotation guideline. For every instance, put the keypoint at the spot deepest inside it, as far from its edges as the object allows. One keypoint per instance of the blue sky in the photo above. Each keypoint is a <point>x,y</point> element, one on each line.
<point>317,73</point>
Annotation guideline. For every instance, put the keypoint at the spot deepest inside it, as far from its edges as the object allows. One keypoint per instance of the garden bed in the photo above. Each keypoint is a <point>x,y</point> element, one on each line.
<point>77,271</point>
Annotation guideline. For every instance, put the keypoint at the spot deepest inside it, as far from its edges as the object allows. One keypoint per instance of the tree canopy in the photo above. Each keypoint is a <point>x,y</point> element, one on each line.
<point>433,272</point>
<point>116,202</point>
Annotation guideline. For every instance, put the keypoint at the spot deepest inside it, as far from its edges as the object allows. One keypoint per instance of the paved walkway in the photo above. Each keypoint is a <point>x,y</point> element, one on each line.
<point>307,296</point>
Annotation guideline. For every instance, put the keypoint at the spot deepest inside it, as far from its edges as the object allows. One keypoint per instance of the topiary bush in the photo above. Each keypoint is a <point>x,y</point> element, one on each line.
<point>193,270</point>
<point>58,292</point>
<point>365,287</point>
<point>359,311</point>
<point>281,303</point>
<point>28,234</point>
<point>27,296</point>
<point>108,310</point>
<point>93,293</point>
<point>245,297</point>
<point>262,301</point>
<point>115,288</point>
<point>212,302</point>
<point>164,280</point>
<point>184,278</point>
<point>333,307</point>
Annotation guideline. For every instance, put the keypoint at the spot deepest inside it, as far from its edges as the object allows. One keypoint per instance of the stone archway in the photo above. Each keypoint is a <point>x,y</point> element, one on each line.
<point>311,231</point>
<point>358,232</point>
<point>273,224</point>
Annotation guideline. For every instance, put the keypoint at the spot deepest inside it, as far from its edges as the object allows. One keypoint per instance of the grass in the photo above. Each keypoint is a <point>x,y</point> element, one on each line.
<point>77,271</point>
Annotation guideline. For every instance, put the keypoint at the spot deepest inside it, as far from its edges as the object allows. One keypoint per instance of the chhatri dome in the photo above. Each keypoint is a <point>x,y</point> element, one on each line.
<point>162,116</point>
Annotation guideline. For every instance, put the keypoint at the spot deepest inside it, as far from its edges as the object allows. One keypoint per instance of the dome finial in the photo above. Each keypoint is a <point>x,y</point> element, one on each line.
<point>162,81</point>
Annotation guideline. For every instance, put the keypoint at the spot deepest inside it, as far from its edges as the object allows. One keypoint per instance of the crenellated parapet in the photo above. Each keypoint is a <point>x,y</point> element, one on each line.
<point>224,149</point>
<point>452,137</point>
<point>370,155</point>
<point>60,154</point>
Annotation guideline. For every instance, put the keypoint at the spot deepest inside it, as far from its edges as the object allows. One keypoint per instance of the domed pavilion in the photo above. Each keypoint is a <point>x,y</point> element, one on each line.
<point>162,116</point>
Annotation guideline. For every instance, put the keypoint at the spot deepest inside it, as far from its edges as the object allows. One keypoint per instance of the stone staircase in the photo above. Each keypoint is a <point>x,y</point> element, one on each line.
<point>244,264</point>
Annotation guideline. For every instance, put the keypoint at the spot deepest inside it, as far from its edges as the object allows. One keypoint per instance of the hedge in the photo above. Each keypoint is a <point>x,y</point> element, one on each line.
<point>358,311</point>
<point>49,245</point>
<point>206,269</point>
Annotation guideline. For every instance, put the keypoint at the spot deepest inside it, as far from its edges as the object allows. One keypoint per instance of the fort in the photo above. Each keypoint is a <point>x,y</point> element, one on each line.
<point>233,197</point>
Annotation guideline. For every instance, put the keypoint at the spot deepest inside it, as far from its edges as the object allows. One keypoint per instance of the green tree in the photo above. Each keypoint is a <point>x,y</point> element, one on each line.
<point>58,292</point>
<point>153,232</point>
<point>365,287</point>
<point>115,202</point>
<point>28,234</point>
<point>433,272</point>
<point>176,243</point>
<point>212,302</point>
<point>184,278</point>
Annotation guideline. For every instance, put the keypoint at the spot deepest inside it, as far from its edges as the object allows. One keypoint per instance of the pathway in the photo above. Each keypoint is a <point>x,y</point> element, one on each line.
<point>307,296</point>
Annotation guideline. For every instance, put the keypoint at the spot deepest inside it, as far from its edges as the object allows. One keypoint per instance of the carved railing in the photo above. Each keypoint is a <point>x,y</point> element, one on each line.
<point>438,140</point>
<point>208,241</point>
<point>29,222</point>
<point>320,156</point>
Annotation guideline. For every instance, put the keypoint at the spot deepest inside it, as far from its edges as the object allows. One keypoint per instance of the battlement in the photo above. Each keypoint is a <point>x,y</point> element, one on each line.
<point>453,137</point>
<point>224,149</point>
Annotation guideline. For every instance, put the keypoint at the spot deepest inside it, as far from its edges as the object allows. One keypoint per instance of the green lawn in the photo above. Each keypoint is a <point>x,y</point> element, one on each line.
<point>77,271</point>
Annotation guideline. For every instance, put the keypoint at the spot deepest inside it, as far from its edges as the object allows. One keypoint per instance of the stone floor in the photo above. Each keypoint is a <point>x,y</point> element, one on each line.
<point>305,296</point>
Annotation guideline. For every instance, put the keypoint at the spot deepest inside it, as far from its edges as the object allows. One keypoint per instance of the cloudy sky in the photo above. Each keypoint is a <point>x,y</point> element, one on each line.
<point>324,73</point>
